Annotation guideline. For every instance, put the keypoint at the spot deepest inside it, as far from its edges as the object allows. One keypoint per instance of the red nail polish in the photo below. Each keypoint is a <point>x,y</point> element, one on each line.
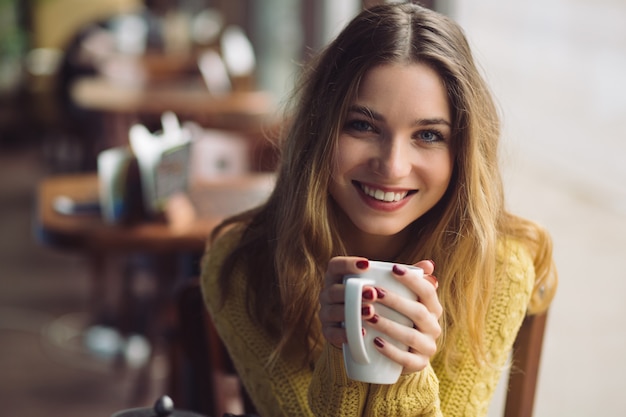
<point>380,293</point>
<point>399,270</point>
<point>362,331</point>
<point>432,262</point>
<point>366,310</point>
<point>362,264</point>
<point>379,342</point>
<point>373,319</point>
<point>368,294</point>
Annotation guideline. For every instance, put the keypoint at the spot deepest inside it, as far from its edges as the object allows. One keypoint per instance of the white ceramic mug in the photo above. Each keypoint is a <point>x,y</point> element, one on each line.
<point>362,360</point>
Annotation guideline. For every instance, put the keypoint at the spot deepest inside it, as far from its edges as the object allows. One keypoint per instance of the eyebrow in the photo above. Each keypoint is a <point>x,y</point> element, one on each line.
<point>367,112</point>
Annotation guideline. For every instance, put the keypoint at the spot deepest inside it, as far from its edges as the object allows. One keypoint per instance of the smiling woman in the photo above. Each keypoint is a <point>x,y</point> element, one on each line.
<point>391,154</point>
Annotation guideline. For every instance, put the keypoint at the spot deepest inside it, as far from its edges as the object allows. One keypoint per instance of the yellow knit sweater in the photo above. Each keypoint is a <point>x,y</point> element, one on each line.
<point>289,389</point>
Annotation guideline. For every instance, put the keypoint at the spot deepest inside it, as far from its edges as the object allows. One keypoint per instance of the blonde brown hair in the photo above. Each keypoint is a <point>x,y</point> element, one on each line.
<point>288,242</point>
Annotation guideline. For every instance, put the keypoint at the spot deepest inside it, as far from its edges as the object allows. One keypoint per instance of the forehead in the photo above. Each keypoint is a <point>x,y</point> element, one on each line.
<point>401,88</point>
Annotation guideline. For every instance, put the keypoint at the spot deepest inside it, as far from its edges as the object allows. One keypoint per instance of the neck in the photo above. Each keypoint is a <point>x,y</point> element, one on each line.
<point>382,248</point>
<point>374,247</point>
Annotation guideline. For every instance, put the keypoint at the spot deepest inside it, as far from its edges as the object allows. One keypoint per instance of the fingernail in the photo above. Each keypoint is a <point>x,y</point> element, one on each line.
<point>380,293</point>
<point>362,264</point>
<point>373,319</point>
<point>379,342</point>
<point>368,294</point>
<point>432,262</point>
<point>366,310</point>
<point>399,270</point>
<point>362,331</point>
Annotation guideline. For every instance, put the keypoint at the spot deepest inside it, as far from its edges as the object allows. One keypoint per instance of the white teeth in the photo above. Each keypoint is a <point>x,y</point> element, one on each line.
<point>388,196</point>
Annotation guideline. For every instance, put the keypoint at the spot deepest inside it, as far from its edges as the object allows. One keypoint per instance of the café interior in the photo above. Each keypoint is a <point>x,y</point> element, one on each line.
<point>128,130</point>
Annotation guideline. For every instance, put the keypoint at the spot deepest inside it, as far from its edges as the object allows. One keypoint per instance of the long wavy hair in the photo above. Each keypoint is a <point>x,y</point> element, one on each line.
<point>287,242</point>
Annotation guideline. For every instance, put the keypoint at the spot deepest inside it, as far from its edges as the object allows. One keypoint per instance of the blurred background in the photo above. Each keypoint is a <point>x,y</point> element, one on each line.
<point>556,68</point>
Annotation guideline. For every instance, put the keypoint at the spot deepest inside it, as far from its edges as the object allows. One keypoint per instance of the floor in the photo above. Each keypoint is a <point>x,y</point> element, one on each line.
<point>44,295</point>
<point>56,358</point>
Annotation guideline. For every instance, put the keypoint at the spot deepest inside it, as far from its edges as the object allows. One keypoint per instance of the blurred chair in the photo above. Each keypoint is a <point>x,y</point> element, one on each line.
<point>57,57</point>
<point>202,349</point>
<point>200,359</point>
<point>524,370</point>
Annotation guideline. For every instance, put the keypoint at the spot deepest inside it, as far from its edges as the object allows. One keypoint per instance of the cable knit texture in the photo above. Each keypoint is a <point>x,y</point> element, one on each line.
<point>289,389</point>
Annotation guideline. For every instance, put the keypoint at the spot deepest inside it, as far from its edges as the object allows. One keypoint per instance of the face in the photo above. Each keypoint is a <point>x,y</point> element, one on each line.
<point>393,160</point>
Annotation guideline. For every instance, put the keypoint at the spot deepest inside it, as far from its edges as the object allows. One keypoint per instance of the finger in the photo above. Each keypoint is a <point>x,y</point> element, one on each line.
<point>331,314</point>
<point>335,335</point>
<point>332,295</point>
<point>427,295</point>
<point>418,341</point>
<point>433,280</point>
<point>425,291</point>
<point>421,346</point>
<point>427,265</point>
<point>410,361</point>
<point>332,308</point>
<point>343,265</point>
<point>422,318</point>
<point>418,313</point>
<point>332,318</point>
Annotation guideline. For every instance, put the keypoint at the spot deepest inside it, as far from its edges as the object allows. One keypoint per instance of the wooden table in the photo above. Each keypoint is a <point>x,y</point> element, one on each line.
<point>187,96</point>
<point>188,224</point>
<point>252,114</point>
<point>211,202</point>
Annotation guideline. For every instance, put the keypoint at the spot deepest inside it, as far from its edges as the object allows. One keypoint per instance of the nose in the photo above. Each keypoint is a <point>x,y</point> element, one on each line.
<point>393,159</point>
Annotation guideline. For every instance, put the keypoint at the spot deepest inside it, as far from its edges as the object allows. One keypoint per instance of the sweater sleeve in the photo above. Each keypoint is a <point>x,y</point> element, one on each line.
<point>467,387</point>
<point>276,391</point>
<point>331,389</point>
<point>413,395</point>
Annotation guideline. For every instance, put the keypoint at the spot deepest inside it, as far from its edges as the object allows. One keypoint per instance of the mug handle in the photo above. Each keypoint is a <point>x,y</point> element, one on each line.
<point>352,307</point>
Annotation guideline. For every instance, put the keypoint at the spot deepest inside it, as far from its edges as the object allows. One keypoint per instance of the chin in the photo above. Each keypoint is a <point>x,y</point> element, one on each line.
<point>376,229</point>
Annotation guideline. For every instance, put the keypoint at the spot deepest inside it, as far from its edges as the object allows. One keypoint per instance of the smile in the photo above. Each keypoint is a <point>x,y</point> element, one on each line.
<point>381,195</point>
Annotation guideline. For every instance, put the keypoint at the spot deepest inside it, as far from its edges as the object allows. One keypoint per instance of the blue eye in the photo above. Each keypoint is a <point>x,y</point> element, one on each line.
<point>430,136</point>
<point>359,125</point>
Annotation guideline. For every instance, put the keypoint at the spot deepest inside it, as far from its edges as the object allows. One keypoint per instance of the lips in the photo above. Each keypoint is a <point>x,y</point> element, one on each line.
<point>386,196</point>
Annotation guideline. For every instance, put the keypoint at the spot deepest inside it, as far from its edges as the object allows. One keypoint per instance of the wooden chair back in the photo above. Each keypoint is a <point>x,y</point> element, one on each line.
<point>203,350</point>
<point>524,371</point>
<point>199,358</point>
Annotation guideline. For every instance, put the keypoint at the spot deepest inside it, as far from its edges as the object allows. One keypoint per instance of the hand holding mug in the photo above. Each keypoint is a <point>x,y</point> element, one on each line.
<point>398,325</point>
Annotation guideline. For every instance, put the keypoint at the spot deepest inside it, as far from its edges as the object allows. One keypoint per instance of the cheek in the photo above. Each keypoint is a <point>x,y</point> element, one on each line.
<point>446,173</point>
<point>346,159</point>
<point>440,173</point>
<point>337,164</point>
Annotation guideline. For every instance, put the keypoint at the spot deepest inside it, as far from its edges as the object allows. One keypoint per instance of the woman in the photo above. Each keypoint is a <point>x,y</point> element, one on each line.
<point>391,154</point>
